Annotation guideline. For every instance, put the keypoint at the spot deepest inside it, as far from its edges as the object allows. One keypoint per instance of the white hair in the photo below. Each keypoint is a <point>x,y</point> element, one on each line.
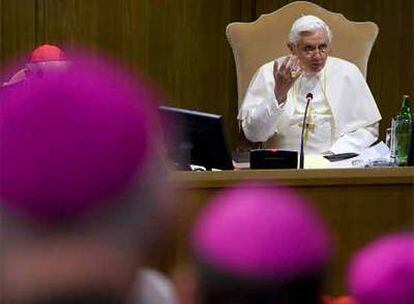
<point>308,23</point>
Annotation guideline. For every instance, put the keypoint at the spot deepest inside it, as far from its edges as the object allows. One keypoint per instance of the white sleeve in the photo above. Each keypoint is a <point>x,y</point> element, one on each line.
<point>356,141</point>
<point>260,110</point>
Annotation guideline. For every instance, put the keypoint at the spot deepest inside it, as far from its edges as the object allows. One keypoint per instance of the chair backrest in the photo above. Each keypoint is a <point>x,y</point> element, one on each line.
<point>265,39</point>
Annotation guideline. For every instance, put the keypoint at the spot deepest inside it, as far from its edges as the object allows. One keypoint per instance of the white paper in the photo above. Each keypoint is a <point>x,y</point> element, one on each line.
<point>379,152</point>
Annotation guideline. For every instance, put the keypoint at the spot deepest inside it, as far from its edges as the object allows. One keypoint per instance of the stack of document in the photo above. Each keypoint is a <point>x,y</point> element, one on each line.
<point>378,154</point>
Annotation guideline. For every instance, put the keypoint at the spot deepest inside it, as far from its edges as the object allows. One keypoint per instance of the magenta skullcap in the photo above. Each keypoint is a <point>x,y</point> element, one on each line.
<point>73,140</point>
<point>262,231</point>
<point>383,272</point>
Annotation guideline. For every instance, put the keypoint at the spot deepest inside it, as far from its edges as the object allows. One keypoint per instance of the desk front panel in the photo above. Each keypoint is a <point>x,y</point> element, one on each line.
<point>358,204</point>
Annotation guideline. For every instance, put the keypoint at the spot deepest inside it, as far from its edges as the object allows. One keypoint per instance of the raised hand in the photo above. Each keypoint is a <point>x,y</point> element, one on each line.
<point>285,77</point>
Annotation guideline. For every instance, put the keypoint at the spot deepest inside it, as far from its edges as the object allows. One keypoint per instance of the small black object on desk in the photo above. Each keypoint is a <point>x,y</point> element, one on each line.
<point>341,156</point>
<point>273,159</point>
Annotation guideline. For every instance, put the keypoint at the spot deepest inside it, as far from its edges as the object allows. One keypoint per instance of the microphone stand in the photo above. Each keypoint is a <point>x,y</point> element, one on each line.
<point>309,98</point>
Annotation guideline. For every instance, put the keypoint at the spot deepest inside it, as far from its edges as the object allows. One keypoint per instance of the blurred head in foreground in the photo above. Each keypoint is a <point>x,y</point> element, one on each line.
<point>80,185</point>
<point>258,243</point>
<point>44,59</point>
<point>383,271</point>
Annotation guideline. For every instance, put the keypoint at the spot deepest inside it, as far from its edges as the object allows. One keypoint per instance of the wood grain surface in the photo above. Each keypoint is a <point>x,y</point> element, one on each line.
<point>181,44</point>
<point>359,205</point>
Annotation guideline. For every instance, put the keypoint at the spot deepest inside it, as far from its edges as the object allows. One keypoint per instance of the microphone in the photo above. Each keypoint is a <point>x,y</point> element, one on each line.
<point>309,98</point>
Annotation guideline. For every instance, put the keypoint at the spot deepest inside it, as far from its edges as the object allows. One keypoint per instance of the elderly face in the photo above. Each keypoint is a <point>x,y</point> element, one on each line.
<point>312,51</point>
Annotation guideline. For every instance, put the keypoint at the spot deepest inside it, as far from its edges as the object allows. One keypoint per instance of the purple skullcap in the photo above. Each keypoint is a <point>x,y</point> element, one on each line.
<point>73,140</point>
<point>262,231</point>
<point>383,272</point>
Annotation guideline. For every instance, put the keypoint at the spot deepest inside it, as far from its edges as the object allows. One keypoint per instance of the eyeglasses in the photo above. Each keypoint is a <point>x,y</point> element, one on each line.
<point>309,50</point>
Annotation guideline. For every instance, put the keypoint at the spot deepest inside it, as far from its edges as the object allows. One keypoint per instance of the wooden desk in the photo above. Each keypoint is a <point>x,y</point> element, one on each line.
<point>358,204</point>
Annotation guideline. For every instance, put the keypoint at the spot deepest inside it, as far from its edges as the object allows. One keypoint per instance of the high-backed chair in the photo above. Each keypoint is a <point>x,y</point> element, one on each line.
<point>258,42</point>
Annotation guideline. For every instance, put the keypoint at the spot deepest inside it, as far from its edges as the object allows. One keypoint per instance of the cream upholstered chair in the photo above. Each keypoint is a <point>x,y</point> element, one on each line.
<point>265,39</point>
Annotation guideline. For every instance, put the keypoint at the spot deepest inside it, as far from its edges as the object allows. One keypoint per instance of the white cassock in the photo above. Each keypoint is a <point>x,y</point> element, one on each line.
<point>342,117</point>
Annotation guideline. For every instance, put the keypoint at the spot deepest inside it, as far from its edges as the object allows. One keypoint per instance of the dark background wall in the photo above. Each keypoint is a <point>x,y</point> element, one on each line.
<point>181,44</point>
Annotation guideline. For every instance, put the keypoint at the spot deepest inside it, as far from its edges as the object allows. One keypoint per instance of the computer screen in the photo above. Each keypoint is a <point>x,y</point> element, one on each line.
<point>195,138</point>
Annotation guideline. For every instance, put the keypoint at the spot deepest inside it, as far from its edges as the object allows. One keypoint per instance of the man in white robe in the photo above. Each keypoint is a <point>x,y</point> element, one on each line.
<point>342,117</point>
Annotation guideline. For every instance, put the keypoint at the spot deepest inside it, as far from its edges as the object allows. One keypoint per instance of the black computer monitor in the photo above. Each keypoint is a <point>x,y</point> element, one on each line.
<point>195,138</point>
